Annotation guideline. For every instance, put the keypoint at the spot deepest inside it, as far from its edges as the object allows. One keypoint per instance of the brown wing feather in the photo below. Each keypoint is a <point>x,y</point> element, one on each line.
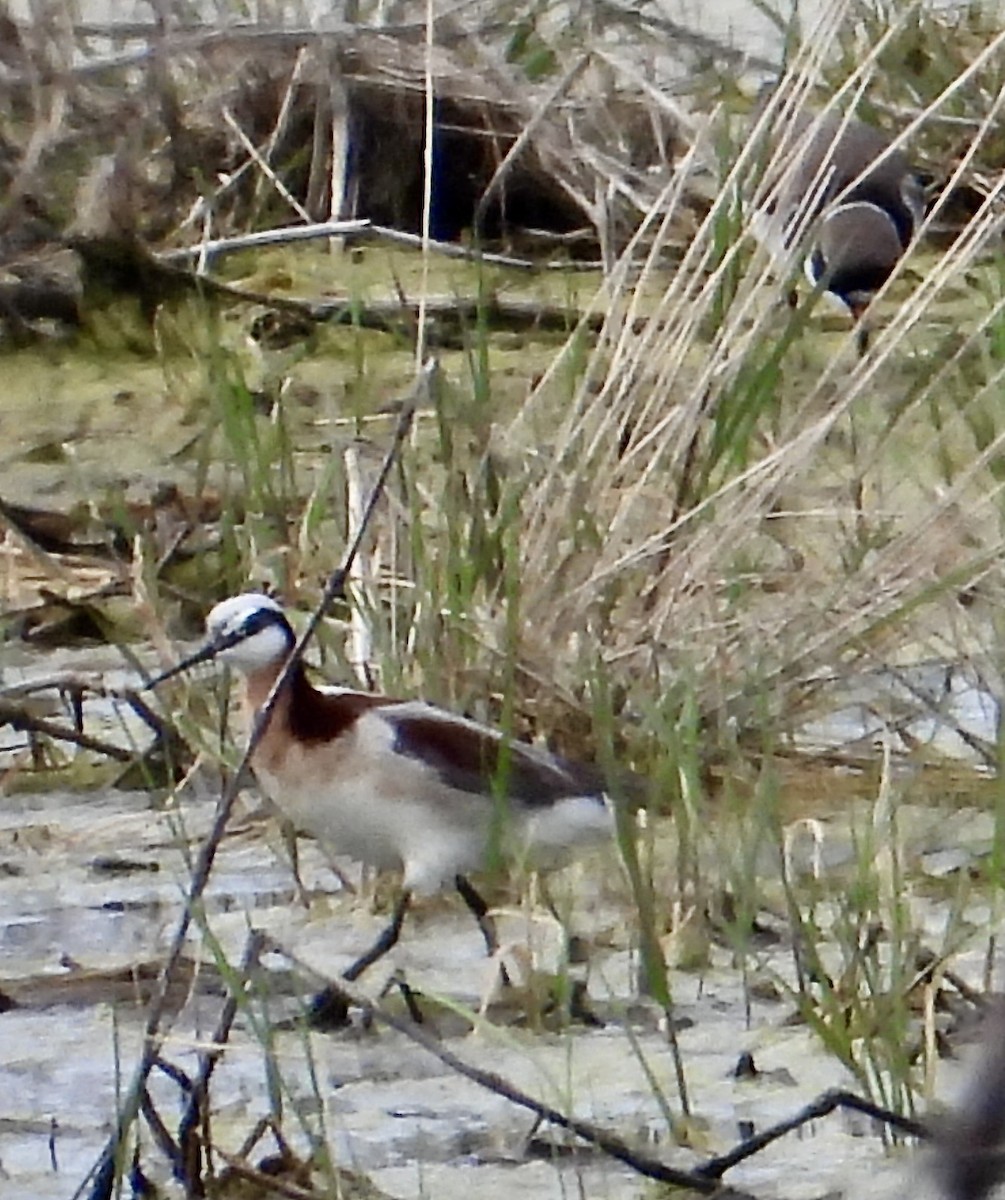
<point>465,756</point>
<point>477,761</point>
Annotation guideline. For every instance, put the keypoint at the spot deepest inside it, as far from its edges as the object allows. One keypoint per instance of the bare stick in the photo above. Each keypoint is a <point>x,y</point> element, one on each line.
<point>604,1139</point>
<point>280,236</point>
<point>715,1168</point>
<point>264,167</point>
<point>194,1154</point>
<point>19,718</point>
<point>106,1171</point>
<point>352,228</point>
<point>704,1178</point>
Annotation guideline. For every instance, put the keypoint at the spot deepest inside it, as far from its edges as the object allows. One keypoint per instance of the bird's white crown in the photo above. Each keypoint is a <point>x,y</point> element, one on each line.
<point>251,631</point>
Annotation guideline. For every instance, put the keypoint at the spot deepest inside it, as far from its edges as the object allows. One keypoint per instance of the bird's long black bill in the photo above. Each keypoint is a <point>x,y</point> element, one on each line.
<point>208,651</point>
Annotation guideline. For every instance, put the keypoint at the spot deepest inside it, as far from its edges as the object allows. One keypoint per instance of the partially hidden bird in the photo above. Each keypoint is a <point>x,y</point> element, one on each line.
<point>844,198</point>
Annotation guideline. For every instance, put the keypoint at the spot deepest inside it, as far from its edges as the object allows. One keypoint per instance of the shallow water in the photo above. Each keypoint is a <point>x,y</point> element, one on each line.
<point>387,1106</point>
<point>95,881</point>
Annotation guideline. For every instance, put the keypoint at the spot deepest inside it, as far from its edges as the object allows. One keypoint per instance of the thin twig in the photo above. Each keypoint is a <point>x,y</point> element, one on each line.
<point>106,1171</point>
<point>610,1143</point>
<point>264,167</point>
<point>280,236</point>
<point>474,254</point>
<point>703,1178</point>
<point>603,1139</point>
<point>715,1168</point>
<point>358,228</point>
<point>453,250</point>
<point>194,1154</point>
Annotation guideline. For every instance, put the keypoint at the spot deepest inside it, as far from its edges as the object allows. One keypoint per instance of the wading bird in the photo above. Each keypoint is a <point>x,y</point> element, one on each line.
<point>845,199</point>
<point>398,784</point>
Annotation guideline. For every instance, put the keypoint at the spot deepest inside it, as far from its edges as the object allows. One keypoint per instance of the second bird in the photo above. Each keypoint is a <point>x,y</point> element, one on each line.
<point>859,202</point>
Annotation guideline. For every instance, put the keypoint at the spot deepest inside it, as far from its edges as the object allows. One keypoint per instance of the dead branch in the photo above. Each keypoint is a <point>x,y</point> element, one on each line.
<point>704,1178</point>
<point>104,1176</point>
<point>362,228</point>
<point>603,1139</point>
<point>157,280</point>
<point>20,718</point>
<point>715,1168</point>
<point>214,247</point>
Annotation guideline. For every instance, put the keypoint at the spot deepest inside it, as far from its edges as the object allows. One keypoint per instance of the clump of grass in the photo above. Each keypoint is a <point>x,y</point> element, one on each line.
<point>729,503</point>
<point>658,549</point>
<point>721,500</point>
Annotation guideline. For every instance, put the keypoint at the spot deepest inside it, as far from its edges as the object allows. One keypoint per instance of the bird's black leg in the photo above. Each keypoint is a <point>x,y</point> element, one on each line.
<point>329,1009</point>
<point>577,961</point>
<point>388,938</point>
<point>480,911</point>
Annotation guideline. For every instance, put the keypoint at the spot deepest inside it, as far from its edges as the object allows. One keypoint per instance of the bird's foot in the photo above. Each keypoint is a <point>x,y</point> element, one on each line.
<point>329,1010</point>
<point>580,1012</point>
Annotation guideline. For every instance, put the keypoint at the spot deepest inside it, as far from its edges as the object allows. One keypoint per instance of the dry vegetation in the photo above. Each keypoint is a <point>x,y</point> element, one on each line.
<point>659,517</point>
<point>694,498</point>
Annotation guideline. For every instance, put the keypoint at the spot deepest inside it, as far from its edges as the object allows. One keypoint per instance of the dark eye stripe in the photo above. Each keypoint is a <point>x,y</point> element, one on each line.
<point>261,619</point>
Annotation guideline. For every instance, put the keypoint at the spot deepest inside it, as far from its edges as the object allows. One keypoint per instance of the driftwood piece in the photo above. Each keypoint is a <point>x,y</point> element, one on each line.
<point>134,984</point>
<point>261,126</point>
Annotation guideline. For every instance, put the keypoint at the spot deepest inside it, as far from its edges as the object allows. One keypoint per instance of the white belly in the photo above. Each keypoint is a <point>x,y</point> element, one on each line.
<point>432,838</point>
<point>389,829</point>
<point>363,798</point>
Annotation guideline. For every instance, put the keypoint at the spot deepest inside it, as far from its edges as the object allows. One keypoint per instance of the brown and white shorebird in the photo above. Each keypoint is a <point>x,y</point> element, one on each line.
<point>842,197</point>
<point>399,784</point>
